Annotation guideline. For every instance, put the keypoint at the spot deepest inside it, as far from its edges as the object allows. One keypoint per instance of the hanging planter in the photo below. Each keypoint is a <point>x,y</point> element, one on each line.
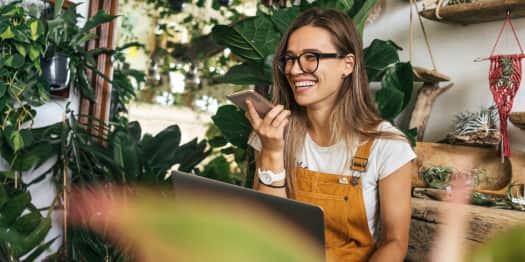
<point>475,12</point>
<point>55,70</point>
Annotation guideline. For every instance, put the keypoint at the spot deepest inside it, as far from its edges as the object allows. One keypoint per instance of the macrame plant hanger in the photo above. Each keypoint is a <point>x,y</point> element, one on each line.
<point>504,81</point>
<point>422,73</point>
<point>431,78</point>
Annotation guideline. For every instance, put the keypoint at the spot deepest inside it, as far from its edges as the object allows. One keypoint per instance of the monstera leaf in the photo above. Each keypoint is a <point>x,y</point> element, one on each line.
<point>22,227</point>
<point>248,73</point>
<point>253,38</point>
<point>284,17</point>
<point>396,90</point>
<point>378,57</point>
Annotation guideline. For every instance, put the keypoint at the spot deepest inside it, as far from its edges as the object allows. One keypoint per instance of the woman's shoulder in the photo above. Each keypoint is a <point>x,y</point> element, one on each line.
<point>391,137</point>
<point>386,126</point>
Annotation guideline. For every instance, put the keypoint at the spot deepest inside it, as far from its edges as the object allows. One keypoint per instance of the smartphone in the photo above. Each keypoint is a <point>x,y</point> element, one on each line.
<point>261,104</point>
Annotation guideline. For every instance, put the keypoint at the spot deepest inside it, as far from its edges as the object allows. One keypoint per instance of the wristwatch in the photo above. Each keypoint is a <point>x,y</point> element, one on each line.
<point>268,177</point>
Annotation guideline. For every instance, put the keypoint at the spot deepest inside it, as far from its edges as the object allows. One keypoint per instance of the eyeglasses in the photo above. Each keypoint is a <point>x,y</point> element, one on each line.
<point>308,61</point>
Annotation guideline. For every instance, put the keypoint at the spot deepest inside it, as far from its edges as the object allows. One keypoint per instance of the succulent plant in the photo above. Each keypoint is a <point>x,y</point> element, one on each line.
<point>472,122</point>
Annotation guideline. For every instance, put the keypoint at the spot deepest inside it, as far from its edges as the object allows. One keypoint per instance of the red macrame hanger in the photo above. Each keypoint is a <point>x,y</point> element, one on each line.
<point>504,79</point>
<point>507,20</point>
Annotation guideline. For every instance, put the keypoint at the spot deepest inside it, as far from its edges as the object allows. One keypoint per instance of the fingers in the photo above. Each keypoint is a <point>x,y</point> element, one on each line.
<point>271,128</point>
<point>272,114</point>
<point>282,116</point>
<point>252,115</point>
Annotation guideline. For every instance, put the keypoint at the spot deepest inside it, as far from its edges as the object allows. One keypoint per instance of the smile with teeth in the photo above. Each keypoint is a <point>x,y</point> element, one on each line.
<point>304,84</point>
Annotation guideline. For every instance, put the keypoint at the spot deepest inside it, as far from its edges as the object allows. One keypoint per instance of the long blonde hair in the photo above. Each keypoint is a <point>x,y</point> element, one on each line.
<point>354,115</point>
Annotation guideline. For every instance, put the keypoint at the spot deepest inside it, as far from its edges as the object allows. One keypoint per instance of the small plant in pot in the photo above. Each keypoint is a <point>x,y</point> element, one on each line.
<point>67,59</point>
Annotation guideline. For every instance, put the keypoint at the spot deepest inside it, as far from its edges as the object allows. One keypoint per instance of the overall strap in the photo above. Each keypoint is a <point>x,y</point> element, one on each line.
<point>360,160</point>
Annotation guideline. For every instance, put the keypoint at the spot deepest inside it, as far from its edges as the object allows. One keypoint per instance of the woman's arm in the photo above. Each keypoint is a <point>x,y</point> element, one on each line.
<point>394,204</point>
<point>272,162</point>
<point>270,131</point>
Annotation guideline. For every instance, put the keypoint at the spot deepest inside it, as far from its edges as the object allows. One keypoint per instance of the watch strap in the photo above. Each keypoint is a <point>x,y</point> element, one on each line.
<point>272,186</point>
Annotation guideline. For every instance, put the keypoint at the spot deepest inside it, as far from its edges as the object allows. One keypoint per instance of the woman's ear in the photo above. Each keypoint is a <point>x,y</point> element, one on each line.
<point>349,61</point>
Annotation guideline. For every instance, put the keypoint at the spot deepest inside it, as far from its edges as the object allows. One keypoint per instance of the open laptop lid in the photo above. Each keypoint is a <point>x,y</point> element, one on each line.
<point>308,218</point>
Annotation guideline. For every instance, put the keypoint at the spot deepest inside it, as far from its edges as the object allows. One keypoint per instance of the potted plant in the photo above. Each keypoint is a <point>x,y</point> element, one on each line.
<point>66,59</point>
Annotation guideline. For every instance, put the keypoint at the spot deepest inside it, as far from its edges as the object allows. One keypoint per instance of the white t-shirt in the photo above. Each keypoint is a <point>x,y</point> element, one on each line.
<point>386,156</point>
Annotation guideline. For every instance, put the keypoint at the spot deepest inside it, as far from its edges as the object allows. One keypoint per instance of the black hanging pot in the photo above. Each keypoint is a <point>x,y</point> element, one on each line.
<point>55,70</point>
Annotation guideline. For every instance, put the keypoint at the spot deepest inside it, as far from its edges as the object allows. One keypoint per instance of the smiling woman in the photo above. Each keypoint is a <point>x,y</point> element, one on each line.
<point>325,143</point>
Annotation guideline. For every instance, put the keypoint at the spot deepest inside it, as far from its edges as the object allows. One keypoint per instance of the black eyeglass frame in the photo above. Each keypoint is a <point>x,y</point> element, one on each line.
<point>282,61</point>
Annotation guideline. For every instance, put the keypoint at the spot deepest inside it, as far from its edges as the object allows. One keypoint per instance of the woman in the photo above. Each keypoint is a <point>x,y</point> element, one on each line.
<point>325,143</point>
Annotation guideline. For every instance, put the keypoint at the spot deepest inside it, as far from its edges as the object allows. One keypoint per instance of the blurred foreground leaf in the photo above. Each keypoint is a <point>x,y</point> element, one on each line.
<point>161,229</point>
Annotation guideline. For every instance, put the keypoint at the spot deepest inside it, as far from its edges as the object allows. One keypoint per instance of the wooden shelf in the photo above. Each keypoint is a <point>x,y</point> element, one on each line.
<point>479,12</point>
<point>66,5</point>
<point>518,119</point>
<point>483,223</point>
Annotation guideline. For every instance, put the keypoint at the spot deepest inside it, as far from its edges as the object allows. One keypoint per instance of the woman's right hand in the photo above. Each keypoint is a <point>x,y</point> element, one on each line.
<point>270,129</point>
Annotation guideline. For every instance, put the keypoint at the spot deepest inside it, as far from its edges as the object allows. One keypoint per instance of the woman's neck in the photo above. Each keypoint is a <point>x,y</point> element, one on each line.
<point>320,125</point>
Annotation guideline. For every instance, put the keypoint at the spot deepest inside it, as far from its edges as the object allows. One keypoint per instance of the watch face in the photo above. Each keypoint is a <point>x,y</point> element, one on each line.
<point>266,178</point>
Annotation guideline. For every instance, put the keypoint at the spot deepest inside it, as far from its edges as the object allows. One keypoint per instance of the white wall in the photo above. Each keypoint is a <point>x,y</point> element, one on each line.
<point>454,48</point>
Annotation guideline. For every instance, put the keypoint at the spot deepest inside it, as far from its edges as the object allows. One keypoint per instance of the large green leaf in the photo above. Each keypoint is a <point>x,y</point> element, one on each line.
<point>126,154</point>
<point>7,10</point>
<point>37,29</point>
<point>389,102</point>
<point>7,34</point>
<point>13,208</point>
<point>378,56</point>
<point>246,74</point>
<point>218,169</point>
<point>253,38</point>
<point>362,15</point>
<point>34,53</point>
<point>35,156</point>
<point>15,61</point>
<point>283,18</point>
<point>163,143</point>
<point>22,50</point>
<point>190,154</point>
<point>58,7</point>
<point>401,78</point>
<point>233,124</point>
<point>134,130</point>
<point>100,18</point>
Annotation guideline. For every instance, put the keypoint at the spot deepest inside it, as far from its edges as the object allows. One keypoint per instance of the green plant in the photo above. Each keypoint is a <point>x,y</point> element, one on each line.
<point>457,2</point>
<point>436,176</point>
<point>505,79</point>
<point>22,44</point>
<point>65,36</point>
<point>22,227</point>
<point>472,122</point>
<point>253,41</point>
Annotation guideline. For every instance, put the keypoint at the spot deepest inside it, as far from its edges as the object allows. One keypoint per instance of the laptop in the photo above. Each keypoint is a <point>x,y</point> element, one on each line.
<point>308,218</point>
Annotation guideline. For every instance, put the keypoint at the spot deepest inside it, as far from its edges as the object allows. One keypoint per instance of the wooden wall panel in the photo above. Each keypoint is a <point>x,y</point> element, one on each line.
<point>100,108</point>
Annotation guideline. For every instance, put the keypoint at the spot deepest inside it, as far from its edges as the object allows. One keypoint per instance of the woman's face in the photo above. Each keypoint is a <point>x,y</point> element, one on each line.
<point>319,88</point>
